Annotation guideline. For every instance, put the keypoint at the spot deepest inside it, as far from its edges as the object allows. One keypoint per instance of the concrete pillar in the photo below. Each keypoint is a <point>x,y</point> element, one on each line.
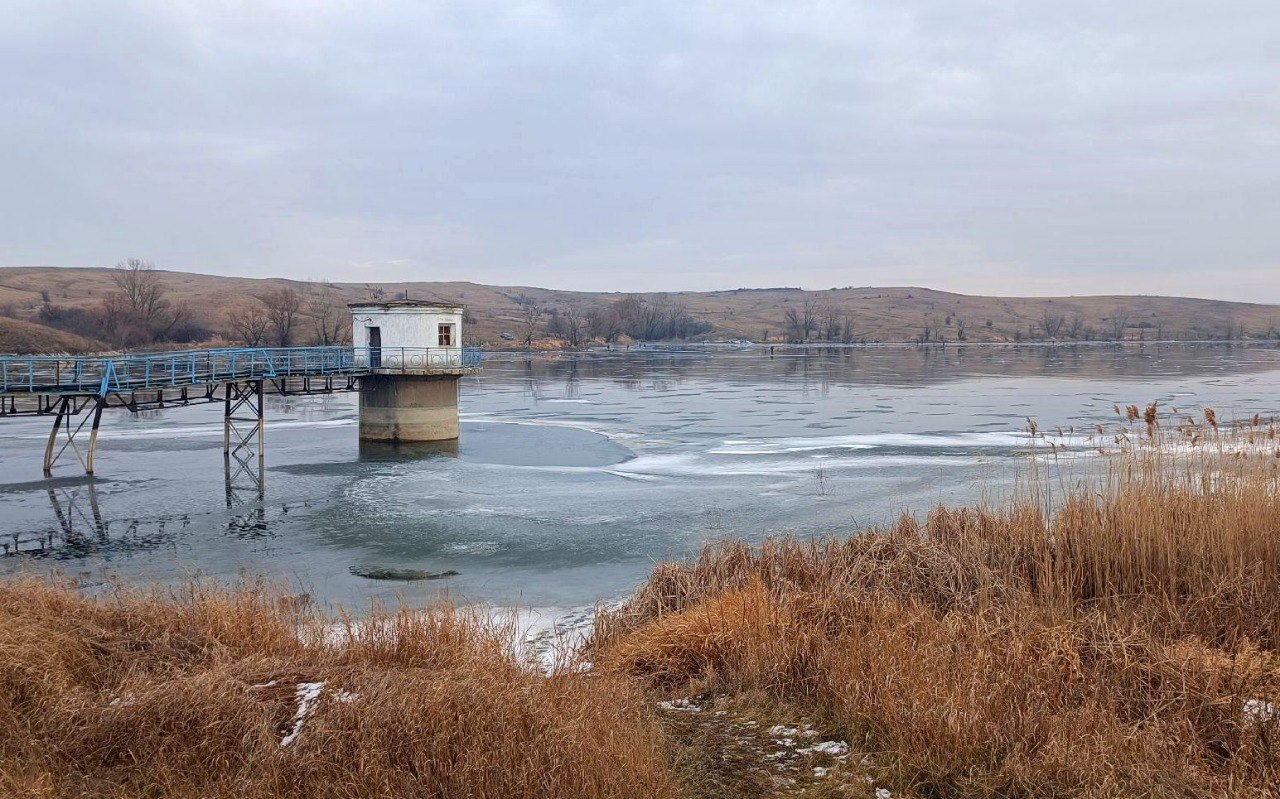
<point>408,407</point>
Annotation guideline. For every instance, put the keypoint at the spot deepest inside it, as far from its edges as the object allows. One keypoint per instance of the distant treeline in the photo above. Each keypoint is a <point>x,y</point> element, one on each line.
<point>639,318</point>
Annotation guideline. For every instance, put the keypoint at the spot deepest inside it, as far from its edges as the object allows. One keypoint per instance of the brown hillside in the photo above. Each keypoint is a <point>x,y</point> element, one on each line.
<point>879,314</point>
<point>30,338</point>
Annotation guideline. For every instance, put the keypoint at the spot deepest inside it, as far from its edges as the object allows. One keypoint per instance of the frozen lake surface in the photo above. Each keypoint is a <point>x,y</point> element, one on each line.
<point>576,473</point>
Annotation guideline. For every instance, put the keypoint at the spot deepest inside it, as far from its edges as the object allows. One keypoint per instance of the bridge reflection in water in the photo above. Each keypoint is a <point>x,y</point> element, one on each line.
<point>80,527</point>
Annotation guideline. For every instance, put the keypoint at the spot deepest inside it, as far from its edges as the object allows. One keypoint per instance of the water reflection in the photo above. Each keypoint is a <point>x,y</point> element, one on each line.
<point>900,365</point>
<point>394,452</point>
<point>246,491</point>
<point>81,529</point>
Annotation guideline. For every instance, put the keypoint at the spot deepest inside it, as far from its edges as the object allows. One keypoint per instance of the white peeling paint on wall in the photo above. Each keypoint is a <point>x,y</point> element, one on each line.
<point>411,334</point>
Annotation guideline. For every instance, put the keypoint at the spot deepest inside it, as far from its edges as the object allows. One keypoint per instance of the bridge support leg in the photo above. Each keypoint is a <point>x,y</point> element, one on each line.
<point>63,406</point>
<point>67,408</point>
<point>262,423</point>
<point>243,422</point>
<point>226,420</point>
<point>93,434</point>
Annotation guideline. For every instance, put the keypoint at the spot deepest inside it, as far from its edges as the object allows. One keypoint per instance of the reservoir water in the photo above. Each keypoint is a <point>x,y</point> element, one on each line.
<point>575,473</point>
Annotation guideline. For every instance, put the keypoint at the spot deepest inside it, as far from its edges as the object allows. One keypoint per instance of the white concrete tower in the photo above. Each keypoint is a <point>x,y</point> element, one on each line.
<point>412,350</point>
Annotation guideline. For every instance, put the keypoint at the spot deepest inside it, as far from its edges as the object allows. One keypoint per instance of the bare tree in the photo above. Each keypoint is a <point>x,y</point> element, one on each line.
<point>652,321</point>
<point>283,307</point>
<point>604,324</point>
<point>962,329</point>
<point>530,319</point>
<point>1119,323</point>
<point>568,324</point>
<point>847,334</point>
<point>1075,326</point>
<point>802,322</point>
<point>141,286</point>
<point>250,324</point>
<point>830,323</point>
<point>794,319</point>
<point>111,315</point>
<point>655,317</point>
<point>681,324</point>
<point>330,322</point>
<point>572,326</point>
<point>1051,323</point>
<point>139,309</point>
<point>810,317</point>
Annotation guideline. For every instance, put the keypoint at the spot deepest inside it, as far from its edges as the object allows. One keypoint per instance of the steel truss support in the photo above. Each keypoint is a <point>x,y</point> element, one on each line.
<point>243,423</point>
<point>245,480</point>
<point>68,407</point>
<point>245,475</point>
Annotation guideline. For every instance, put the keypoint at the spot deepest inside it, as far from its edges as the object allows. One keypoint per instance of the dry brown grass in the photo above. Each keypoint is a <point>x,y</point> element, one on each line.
<point>32,338</point>
<point>162,696</point>
<point>1109,644</point>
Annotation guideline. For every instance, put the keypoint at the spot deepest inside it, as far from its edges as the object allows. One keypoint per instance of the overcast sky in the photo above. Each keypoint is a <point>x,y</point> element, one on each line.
<point>984,147</point>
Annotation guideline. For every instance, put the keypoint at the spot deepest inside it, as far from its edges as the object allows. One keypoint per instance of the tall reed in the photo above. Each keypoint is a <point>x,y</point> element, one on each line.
<point>1119,639</point>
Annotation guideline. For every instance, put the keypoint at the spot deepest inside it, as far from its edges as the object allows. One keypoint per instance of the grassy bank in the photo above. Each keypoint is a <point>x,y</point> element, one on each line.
<point>1123,644</point>
<point>236,695</point>
<point>1110,635</point>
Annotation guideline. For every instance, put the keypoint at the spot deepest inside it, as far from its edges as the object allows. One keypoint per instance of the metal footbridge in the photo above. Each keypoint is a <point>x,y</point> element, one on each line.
<point>83,387</point>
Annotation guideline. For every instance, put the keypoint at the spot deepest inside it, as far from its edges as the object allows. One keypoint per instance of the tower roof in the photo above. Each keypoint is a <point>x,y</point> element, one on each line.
<point>442,304</point>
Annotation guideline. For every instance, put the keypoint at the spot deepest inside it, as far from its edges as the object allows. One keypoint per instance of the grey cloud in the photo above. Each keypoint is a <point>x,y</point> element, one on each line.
<point>983,147</point>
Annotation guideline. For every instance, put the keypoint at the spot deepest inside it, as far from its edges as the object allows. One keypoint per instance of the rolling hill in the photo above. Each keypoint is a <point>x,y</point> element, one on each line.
<point>872,314</point>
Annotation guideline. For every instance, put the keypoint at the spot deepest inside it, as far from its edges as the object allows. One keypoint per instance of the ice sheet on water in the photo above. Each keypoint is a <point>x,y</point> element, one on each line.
<point>963,440</point>
<point>700,465</point>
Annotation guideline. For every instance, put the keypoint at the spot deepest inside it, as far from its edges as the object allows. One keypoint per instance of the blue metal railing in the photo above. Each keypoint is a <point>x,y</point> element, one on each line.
<point>103,374</point>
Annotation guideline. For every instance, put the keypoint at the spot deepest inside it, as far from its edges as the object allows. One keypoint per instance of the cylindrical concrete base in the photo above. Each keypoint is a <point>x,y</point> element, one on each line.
<point>408,407</point>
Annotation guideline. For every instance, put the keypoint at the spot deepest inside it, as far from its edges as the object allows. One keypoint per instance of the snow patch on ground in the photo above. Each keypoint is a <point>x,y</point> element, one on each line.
<point>553,637</point>
<point>685,705</point>
<point>829,748</point>
<point>1258,711</point>
<point>308,695</point>
<point>779,748</point>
